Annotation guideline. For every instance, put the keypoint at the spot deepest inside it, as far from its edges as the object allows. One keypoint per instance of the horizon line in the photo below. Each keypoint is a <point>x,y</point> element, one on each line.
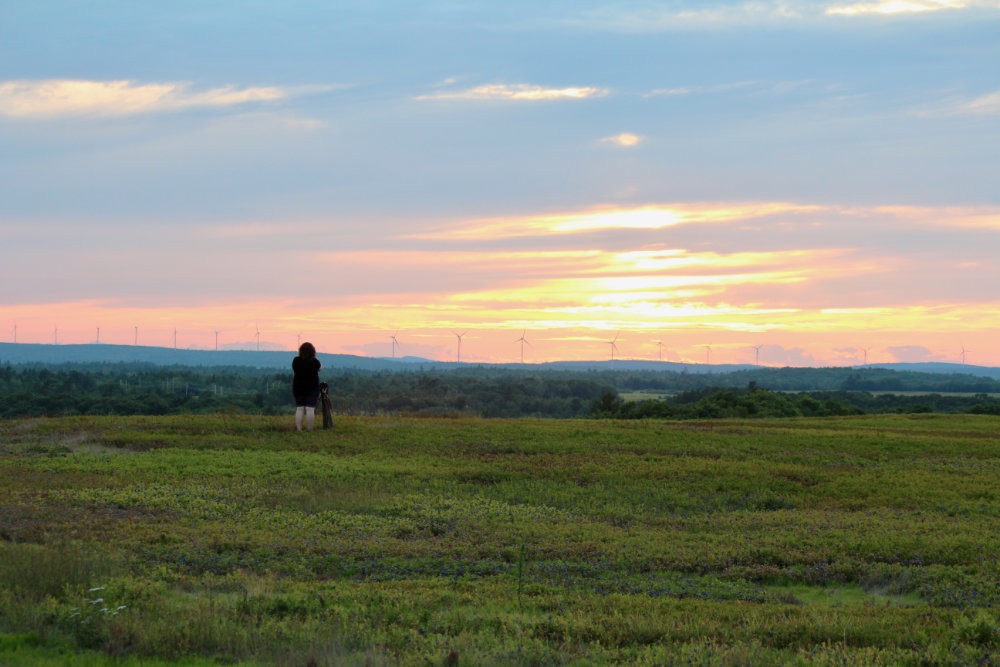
<point>609,362</point>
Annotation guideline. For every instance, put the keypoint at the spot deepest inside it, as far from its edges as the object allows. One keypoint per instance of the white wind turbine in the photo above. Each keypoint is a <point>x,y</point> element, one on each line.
<point>15,332</point>
<point>98,335</point>
<point>756,354</point>
<point>865,350</point>
<point>458,358</point>
<point>216,341</point>
<point>614,347</point>
<point>708,355</point>
<point>395,343</point>
<point>258,335</point>
<point>522,340</point>
<point>136,335</point>
<point>175,338</point>
<point>55,336</point>
<point>963,354</point>
<point>659,351</point>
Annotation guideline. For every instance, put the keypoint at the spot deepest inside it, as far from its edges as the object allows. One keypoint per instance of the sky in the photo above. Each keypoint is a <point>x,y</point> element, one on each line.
<point>775,182</point>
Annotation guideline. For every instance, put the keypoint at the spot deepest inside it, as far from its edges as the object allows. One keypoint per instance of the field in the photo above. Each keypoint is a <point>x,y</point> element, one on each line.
<point>645,395</point>
<point>231,539</point>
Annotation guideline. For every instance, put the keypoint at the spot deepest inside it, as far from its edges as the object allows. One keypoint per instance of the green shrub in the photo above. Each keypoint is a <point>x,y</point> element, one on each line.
<point>978,628</point>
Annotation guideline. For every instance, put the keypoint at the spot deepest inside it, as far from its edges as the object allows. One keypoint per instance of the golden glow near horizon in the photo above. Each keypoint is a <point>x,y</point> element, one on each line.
<point>558,332</point>
<point>572,298</point>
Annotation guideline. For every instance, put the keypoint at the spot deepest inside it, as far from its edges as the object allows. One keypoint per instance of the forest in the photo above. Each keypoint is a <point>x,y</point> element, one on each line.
<point>754,402</point>
<point>141,389</point>
<point>128,389</point>
<point>809,379</point>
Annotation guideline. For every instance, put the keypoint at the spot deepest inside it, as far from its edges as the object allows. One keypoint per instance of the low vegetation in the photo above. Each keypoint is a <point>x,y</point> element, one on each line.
<point>226,538</point>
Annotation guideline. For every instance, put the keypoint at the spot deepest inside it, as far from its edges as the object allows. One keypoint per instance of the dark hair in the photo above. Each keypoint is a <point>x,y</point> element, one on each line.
<point>307,351</point>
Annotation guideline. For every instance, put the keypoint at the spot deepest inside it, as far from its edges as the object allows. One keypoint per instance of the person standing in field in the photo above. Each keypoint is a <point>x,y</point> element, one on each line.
<point>305,386</point>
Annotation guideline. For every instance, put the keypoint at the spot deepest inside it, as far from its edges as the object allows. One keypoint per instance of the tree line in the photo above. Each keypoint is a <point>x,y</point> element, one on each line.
<point>112,389</point>
<point>870,379</point>
<point>120,389</point>
<point>754,402</point>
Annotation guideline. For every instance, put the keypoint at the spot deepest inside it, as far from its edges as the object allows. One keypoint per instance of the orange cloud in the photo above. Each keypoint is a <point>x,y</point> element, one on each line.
<point>69,97</point>
<point>520,92</point>
<point>647,217</point>
<point>987,104</point>
<point>963,216</point>
<point>896,7</point>
<point>624,140</point>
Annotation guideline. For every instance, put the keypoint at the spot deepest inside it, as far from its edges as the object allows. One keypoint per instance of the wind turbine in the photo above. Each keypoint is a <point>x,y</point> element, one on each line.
<point>458,358</point>
<point>299,343</point>
<point>216,341</point>
<point>136,335</point>
<point>659,351</point>
<point>756,354</point>
<point>98,335</point>
<point>614,347</point>
<point>15,332</point>
<point>963,354</point>
<point>55,336</point>
<point>175,338</point>
<point>865,350</point>
<point>522,340</point>
<point>395,343</point>
<point>708,355</point>
<point>258,335</point>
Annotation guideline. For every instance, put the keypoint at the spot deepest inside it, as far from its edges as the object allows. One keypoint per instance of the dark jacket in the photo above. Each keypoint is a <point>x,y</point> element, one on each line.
<point>306,379</point>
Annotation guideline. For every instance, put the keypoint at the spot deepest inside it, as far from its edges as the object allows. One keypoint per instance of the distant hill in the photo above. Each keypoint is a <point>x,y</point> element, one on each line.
<point>27,353</point>
<point>938,367</point>
<point>640,365</point>
<point>32,353</point>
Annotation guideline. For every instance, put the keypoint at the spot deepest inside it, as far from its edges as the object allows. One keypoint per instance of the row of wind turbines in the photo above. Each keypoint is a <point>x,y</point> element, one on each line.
<point>135,341</point>
<point>659,356</point>
<point>458,352</point>
<point>613,344</point>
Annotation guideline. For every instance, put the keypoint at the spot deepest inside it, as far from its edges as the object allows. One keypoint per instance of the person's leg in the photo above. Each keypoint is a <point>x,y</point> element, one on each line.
<point>299,414</point>
<point>310,418</point>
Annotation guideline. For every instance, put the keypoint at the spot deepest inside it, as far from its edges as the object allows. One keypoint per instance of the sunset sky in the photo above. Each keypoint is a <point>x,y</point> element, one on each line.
<point>811,179</point>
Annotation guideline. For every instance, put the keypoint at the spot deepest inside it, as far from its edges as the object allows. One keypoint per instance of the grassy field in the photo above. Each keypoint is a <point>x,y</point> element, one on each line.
<point>197,540</point>
<point>645,395</point>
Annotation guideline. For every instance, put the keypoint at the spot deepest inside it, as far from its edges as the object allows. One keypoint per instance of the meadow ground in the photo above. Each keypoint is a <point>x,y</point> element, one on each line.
<point>231,539</point>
